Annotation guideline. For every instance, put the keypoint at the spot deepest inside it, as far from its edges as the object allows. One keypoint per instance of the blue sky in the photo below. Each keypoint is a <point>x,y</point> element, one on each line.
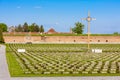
<point>62,14</point>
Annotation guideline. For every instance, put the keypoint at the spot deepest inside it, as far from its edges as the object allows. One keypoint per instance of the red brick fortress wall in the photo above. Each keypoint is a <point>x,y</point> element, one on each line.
<point>64,39</point>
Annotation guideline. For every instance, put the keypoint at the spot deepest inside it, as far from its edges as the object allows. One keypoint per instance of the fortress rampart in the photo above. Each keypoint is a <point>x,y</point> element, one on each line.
<point>64,39</point>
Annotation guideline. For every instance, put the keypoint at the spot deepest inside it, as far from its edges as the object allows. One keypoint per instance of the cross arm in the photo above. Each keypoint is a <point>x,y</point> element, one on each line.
<point>83,18</point>
<point>93,18</point>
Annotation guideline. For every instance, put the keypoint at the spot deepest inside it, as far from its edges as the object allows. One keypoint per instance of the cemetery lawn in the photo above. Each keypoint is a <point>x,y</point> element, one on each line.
<point>62,60</point>
<point>13,65</point>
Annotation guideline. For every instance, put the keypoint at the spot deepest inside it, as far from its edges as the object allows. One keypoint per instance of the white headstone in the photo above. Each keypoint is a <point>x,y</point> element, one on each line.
<point>93,50</point>
<point>21,50</point>
<point>97,50</point>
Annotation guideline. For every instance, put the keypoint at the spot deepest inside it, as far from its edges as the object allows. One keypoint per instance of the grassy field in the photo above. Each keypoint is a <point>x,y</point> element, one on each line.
<point>63,60</point>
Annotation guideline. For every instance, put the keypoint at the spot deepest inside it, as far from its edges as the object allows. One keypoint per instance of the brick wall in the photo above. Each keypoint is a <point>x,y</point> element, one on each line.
<point>20,39</point>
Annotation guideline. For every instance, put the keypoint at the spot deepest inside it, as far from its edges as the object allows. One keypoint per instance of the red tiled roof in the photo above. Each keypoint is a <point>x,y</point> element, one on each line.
<point>51,30</point>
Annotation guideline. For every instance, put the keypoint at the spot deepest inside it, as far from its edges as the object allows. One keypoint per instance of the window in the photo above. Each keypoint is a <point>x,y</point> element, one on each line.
<point>98,40</point>
<point>106,40</point>
<point>74,40</point>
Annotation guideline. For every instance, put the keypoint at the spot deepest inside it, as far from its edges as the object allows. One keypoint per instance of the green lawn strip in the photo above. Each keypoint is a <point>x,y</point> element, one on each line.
<point>63,75</point>
<point>14,67</point>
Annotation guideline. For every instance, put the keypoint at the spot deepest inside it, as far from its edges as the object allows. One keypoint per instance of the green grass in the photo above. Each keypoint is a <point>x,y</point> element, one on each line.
<point>14,67</point>
<point>16,71</point>
<point>62,75</point>
<point>55,51</point>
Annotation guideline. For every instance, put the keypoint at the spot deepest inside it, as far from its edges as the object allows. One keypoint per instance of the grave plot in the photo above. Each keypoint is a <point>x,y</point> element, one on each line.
<point>64,59</point>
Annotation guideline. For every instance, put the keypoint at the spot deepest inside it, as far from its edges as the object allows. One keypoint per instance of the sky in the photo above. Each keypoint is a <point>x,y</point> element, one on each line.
<point>63,14</point>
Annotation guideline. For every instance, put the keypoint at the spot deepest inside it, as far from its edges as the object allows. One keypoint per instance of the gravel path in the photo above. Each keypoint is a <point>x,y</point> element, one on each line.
<point>4,73</point>
<point>70,78</point>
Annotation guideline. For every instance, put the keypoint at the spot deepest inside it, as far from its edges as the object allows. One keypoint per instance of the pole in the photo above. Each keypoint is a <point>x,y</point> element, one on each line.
<point>88,36</point>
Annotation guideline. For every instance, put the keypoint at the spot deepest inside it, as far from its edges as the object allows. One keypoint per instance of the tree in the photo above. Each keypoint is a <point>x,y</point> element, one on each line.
<point>20,28</point>
<point>1,36</point>
<point>3,26</point>
<point>31,27</point>
<point>16,29</point>
<point>41,29</point>
<point>34,28</point>
<point>25,27</point>
<point>78,28</point>
<point>115,33</point>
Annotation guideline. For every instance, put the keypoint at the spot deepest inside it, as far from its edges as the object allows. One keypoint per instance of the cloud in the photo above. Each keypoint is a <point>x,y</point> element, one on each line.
<point>37,7</point>
<point>56,23</point>
<point>73,16</point>
<point>18,7</point>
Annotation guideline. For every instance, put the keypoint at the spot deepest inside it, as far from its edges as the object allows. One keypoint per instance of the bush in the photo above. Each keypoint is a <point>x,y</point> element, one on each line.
<point>1,36</point>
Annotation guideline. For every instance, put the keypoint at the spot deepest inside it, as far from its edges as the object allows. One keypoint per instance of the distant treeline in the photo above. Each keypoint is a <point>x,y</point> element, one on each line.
<point>76,30</point>
<point>22,28</point>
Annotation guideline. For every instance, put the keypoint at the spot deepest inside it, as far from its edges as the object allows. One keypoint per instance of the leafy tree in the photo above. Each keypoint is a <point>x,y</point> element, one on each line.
<point>31,27</point>
<point>78,28</point>
<point>115,33</point>
<point>3,26</point>
<point>1,36</point>
<point>36,28</point>
<point>41,29</point>
<point>16,29</point>
<point>20,28</point>
<point>25,27</point>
